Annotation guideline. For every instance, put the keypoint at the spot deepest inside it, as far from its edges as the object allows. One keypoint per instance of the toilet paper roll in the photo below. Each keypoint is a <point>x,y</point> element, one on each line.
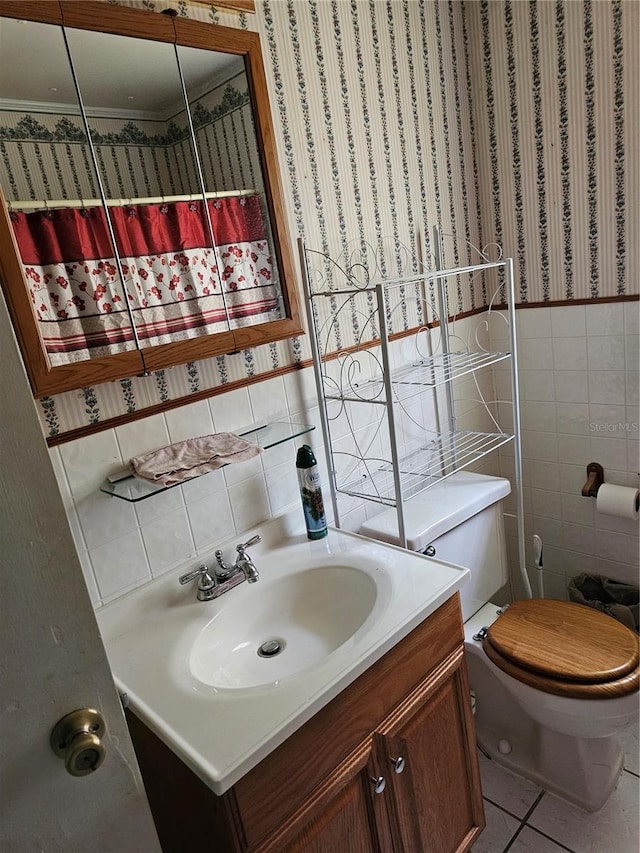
<point>621,501</point>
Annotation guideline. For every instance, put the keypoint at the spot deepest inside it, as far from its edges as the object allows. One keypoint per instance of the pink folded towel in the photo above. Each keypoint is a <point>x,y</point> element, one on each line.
<point>184,460</point>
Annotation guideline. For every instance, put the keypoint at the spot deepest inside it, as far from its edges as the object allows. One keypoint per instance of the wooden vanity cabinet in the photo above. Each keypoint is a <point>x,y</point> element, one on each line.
<point>410,712</point>
<point>343,814</point>
<point>435,802</point>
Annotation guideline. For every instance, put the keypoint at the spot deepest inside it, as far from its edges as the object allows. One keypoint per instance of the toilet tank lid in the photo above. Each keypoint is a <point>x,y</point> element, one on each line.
<point>438,509</point>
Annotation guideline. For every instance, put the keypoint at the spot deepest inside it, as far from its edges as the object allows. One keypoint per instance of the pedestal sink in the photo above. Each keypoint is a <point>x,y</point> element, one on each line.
<point>272,630</point>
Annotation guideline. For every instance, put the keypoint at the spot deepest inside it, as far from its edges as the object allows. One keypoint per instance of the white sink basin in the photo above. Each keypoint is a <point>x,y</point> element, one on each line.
<point>191,669</point>
<point>283,626</point>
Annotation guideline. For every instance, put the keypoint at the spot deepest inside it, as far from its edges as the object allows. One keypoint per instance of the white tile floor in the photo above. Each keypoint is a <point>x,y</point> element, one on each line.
<point>522,818</point>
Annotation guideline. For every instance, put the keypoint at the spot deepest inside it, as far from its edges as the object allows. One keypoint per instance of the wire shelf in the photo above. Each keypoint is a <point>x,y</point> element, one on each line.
<point>425,466</point>
<point>423,426</point>
<point>413,379</point>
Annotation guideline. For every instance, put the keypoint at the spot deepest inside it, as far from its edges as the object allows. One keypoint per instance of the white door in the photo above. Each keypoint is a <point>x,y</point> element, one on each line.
<point>52,660</point>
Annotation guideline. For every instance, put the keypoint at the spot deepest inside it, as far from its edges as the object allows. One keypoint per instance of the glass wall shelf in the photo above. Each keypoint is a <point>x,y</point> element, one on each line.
<point>135,489</point>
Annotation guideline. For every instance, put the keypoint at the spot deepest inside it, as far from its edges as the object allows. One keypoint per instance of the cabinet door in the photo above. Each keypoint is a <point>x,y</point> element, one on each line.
<point>344,814</point>
<point>435,799</point>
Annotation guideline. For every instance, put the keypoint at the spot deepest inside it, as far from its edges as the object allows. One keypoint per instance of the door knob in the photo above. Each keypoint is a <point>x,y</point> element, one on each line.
<point>77,738</point>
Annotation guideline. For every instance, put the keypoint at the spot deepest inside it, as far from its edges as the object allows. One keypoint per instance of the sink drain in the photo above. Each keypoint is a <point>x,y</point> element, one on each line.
<point>270,648</point>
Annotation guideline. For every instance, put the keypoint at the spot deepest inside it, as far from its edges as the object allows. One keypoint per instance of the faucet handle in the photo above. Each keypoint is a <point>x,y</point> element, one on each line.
<point>201,572</point>
<point>253,541</point>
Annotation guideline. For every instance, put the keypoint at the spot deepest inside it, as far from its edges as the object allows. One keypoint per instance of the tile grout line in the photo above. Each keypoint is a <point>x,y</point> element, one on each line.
<point>523,821</point>
<point>550,838</point>
<point>533,806</point>
<point>513,838</point>
<point>524,824</point>
<point>502,808</point>
<point>539,831</point>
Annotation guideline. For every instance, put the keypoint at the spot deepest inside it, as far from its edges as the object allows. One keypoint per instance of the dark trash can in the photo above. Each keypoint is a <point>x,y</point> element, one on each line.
<point>614,598</point>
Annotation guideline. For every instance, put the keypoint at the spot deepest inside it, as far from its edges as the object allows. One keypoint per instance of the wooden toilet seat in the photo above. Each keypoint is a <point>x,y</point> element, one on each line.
<point>566,649</point>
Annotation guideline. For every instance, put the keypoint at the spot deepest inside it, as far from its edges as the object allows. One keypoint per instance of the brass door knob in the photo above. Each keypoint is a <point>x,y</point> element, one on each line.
<point>77,738</point>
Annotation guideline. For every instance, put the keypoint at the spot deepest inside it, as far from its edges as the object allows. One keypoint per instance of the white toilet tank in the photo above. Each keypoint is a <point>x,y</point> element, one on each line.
<point>459,520</point>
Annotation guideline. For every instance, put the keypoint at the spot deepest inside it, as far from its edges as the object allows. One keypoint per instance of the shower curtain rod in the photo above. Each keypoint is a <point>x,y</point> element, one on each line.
<point>120,202</point>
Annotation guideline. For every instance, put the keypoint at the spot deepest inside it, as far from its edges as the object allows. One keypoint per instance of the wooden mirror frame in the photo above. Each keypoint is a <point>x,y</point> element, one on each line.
<point>46,379</point>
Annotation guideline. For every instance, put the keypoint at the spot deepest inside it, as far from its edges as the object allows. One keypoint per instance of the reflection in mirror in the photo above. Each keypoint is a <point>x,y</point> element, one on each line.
<point>133,98</point>
<point>143,143</point>
<point>217,90</point>
<point>66,250</point>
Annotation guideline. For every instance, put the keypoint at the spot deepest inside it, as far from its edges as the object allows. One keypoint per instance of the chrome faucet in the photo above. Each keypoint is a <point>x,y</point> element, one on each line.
<point>243,564</point>
<point>214,583</point>
<point>207,585</point>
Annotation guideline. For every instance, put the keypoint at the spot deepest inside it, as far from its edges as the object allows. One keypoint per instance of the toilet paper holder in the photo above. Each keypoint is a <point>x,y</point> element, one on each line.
<point>595,478</point>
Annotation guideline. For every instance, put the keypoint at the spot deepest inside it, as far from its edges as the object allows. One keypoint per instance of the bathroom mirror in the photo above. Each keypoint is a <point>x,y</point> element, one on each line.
<point>158,167</point>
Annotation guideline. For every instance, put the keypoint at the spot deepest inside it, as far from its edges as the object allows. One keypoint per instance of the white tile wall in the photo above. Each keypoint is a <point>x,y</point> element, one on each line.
<point>123,545</point>
<point>576,408</point>
<point>584,410</point>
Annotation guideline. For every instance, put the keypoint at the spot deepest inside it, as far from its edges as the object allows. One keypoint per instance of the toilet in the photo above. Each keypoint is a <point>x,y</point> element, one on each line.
<point>553,683</point>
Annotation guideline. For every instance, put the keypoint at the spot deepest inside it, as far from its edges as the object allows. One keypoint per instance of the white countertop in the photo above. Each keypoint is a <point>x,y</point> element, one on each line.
<point>222,733</point>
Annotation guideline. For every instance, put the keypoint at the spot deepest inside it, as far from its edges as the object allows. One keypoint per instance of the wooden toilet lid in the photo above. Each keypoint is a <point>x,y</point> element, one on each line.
<point>566,641</point>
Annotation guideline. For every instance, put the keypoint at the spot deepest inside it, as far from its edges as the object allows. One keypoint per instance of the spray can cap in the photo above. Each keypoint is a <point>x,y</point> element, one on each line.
<point>306,457</point>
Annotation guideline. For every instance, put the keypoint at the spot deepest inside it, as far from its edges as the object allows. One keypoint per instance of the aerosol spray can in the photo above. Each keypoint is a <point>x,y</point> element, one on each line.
<point>311,493</point>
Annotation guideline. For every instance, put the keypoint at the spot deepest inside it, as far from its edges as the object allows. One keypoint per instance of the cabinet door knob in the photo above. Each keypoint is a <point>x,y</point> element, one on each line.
<point>378,784</point>
<point>430,551</point>
<point>398,764</point>
<point>77,739</point>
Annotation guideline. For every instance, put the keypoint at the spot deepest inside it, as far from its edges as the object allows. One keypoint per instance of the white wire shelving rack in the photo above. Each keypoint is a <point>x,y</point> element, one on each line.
<point>399,450</point>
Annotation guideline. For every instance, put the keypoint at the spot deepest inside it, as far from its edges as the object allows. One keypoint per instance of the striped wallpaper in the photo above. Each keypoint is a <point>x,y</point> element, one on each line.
<point>508,122</point>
